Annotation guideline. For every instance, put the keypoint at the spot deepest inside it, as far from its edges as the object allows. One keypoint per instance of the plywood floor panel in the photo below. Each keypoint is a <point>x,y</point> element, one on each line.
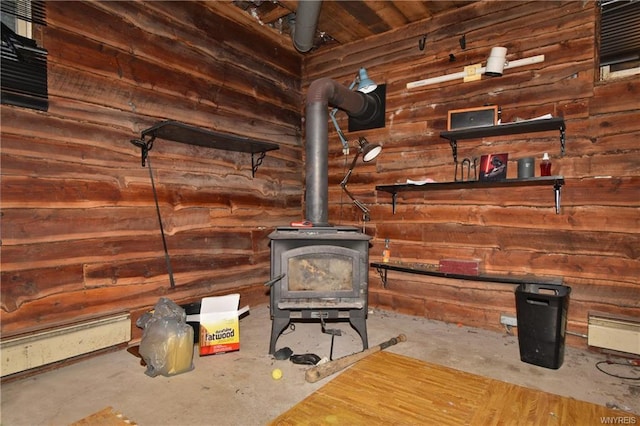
<point>387,388</point>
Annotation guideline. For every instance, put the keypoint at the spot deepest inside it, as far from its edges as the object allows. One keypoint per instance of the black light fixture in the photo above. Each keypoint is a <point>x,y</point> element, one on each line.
<point>369,152</point>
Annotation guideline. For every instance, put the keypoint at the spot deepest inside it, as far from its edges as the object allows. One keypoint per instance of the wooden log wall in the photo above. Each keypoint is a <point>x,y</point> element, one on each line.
<point>80,233</point>
<point>593,244</point>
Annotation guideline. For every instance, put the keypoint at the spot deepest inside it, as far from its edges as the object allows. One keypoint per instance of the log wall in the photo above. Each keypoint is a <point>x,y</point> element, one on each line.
<point>593,244</point>
<point>80,233</point>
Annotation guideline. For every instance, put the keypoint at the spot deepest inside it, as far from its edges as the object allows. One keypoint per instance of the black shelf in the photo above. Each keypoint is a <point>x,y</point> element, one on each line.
<point>556,181</point>
<point>184,133</point>
<point>536,181</point>
<point>530,126</point>
<point>382,269</point>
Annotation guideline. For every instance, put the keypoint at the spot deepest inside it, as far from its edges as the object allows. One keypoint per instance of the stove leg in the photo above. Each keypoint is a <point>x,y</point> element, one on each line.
<point>358,320</point>
<point>278,324</point>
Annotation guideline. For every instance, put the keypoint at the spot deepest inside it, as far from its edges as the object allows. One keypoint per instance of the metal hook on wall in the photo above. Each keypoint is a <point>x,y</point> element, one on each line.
<point>469,163</point>
<point>422,42</point>
<point>463,42</point>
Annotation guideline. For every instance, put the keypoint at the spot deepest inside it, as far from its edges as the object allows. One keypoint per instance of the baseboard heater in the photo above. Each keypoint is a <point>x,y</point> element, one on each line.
<point>613,332</point>
<point>31,350</point>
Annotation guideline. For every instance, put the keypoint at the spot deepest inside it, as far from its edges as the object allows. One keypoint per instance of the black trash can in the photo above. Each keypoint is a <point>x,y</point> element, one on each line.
<point>542,321</point>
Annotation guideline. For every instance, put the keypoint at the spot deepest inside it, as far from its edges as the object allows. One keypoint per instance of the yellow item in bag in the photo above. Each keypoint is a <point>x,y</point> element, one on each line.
<point>167,340</point>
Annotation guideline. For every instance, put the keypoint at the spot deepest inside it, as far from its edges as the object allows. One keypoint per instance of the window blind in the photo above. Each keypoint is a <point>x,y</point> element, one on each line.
<point>24,64</point>
<point>31,11</point>
<point>620,31</point>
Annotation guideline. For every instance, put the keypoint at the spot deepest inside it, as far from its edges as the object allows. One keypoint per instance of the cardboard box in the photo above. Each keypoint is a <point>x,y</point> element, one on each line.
<point>219,324</point>
<point>458,266</point>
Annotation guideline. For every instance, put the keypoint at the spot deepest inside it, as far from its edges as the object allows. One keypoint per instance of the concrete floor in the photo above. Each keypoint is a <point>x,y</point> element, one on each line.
<point>237,388</point>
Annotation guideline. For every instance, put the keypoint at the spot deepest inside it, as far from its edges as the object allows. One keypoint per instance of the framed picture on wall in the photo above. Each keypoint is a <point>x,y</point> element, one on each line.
<point>493,167</point>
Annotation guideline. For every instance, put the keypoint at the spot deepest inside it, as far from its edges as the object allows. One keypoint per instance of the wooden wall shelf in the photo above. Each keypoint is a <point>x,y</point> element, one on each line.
<point>556,181</point>
<point>184,133</point>
<point>529,126</point>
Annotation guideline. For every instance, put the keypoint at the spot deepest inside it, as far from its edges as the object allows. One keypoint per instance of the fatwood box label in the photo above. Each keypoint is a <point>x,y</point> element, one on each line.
<point>219,324</point>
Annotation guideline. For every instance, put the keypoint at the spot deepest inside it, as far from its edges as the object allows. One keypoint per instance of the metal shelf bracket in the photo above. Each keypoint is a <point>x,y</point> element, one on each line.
<point>255,163</point>
<point>383,275</point>
<point>145,147</point>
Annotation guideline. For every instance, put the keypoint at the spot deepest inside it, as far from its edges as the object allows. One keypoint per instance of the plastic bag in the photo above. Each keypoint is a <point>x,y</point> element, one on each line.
<point>167,340</point>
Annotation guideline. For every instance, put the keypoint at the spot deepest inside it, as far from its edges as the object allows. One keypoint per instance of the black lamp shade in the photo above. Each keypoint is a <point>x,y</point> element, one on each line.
<point>370,152</point>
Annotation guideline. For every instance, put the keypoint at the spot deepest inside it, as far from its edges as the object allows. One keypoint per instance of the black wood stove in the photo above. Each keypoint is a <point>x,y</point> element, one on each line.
<point>323,275</point>
<point>321,271</point>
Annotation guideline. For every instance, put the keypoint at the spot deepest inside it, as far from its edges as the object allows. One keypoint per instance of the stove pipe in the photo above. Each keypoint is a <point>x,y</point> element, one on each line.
<point>306,22</point>
<point>322,93</point>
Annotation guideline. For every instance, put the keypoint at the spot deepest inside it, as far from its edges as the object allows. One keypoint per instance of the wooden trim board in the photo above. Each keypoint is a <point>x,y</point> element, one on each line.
<point>386,388</point>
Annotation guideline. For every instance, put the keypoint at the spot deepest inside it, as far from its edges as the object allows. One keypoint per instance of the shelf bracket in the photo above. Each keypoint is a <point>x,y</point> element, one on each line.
<point>562,139</point>
<point>454,149</point>
<point>394,198</point>
<point>255,163</point>
<point>145,147</point>
<point>557,186</point>
<point>383,276</point>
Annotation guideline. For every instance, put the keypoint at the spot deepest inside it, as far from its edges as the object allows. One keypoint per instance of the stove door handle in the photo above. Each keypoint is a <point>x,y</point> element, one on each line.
<point>274,280</point>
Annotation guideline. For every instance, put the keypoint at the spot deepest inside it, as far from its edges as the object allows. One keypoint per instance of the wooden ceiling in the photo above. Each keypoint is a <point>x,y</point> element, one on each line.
<point>345,21</point>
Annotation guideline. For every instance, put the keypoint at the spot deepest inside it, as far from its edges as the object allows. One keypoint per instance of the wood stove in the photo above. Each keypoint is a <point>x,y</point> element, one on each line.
<point>321,271</point>
<point>323,274</point>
